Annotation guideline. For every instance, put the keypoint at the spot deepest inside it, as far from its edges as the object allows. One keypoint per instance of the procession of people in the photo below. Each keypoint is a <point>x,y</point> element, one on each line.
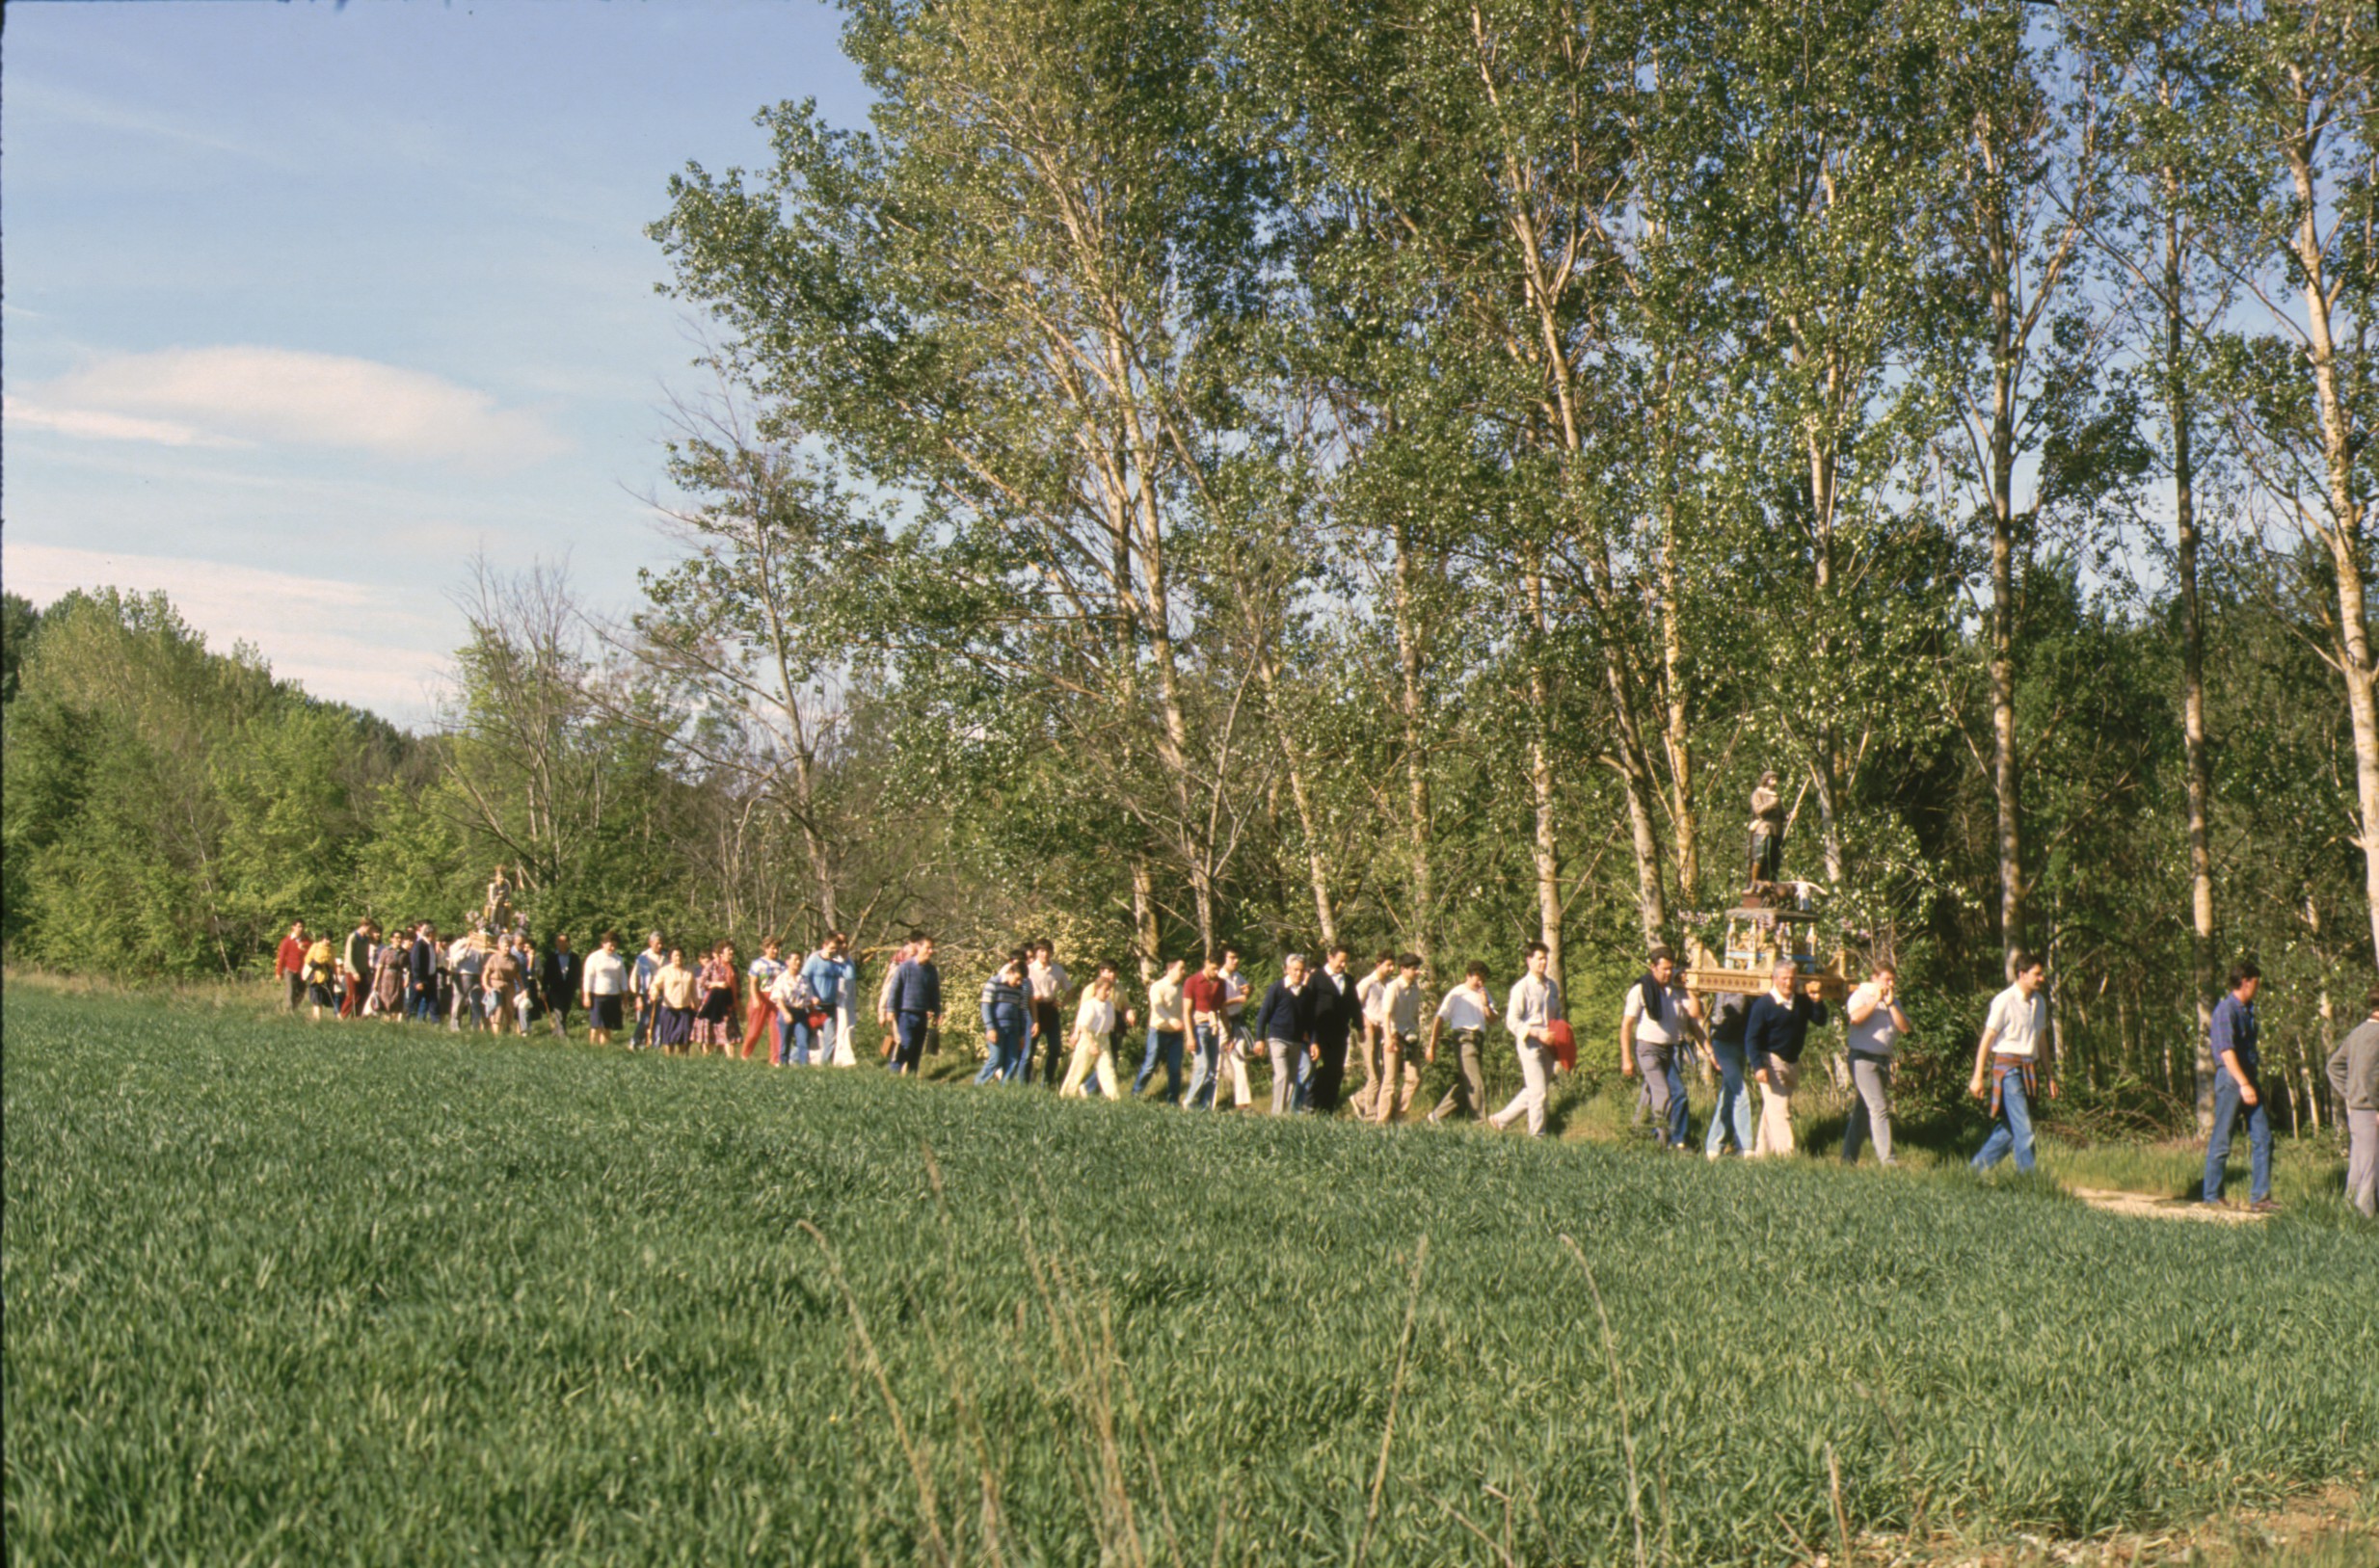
<point>800,1012</point>
<point>1217,1043</point>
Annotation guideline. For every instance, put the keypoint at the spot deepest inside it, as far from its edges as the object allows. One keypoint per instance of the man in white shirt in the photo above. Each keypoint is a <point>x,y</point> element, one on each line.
<point>1876,1025</point>
<point>1168,1026</point>
<point>648,963</point>
<point>2014,1051</point>
<point>1530,1014</point>
<point>1367,997</point>
<point>1236,1043</point>
<point>1045,981</point>
<point>1657,1029</point>
<point>1400,1031</point>
<point>1467,1010</point>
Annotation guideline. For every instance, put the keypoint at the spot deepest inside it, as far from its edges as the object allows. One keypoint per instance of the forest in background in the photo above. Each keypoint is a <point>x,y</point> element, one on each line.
<point>1396,474</point>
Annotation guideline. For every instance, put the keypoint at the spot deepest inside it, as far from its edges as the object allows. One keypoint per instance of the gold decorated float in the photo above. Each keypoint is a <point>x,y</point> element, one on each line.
<point>1775,921</point>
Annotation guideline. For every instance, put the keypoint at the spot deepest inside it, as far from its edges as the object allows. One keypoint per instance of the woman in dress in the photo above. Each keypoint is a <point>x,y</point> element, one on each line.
<point>499,979</point>
<point>1094,1028</point>
<point>714,1030</point>
<point>389,976</point>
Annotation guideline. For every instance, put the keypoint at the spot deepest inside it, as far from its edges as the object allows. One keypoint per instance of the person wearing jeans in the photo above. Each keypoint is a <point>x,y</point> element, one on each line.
<point>1168,1022</point>
<point>1202,994</point>
<point>1733,1114</point>
<point>1004,1023</point>
<point>2235,1037</point>
<point>1876,1022</point>
<point>1531,1011</point>
<point>2010,1052</point>
<point>915,1004</point>
<point>826,976</point>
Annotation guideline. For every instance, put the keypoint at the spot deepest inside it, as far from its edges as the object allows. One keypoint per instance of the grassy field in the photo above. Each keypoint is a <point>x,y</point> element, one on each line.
<point>285,1294</point>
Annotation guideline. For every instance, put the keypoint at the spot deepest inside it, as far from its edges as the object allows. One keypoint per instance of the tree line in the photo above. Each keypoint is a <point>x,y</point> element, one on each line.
<point>1188,473</point>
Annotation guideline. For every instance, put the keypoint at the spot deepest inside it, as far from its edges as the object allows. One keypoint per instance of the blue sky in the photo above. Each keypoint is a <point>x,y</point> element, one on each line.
<point>306,305</point>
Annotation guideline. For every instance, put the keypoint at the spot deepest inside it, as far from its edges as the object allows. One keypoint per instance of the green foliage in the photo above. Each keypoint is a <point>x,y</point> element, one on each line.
<point>19,625</point>
<point>427,1299</point>
<point>168,810</point>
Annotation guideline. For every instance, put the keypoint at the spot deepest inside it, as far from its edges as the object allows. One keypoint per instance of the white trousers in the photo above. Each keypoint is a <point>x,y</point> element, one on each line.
<point>1090,1057</point>
<point>1774,1134</point>
<point>1534,1074</point>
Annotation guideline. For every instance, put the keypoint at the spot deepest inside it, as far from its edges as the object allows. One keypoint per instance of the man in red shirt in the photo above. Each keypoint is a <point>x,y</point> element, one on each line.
<point>290,963</point>
<point>1202,992</point>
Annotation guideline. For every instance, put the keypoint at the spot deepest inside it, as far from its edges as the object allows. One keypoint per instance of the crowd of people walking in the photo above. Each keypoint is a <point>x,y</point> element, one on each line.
<point>1210,1034</point>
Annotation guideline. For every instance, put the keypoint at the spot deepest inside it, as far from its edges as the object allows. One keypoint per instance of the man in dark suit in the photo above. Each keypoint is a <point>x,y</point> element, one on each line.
<point>559,981</point>
<point>1335,1012</point>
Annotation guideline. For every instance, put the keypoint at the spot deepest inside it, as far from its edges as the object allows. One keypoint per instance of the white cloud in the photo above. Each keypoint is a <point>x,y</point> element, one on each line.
<point>287,396</point>
<point>98,425</point>
<point>352,641</point>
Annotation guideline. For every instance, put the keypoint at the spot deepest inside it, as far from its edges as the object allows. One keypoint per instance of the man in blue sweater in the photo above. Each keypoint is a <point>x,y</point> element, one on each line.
<point>2235,1089</point>
<point>1773,1032</point>
<point>915,1005</point>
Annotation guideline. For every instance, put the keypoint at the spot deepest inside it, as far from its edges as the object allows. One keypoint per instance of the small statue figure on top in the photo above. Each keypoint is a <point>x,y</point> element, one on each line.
<point>498,916</point>
<point>1767,833</point>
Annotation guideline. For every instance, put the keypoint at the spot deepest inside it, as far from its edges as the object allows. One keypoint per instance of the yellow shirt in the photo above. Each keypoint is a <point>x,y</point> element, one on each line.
<point>676,985</point>
<point>1168,1009</point>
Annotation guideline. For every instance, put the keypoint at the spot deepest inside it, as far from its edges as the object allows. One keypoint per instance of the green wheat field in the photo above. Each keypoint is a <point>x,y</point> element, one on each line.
<point>281,1293</point>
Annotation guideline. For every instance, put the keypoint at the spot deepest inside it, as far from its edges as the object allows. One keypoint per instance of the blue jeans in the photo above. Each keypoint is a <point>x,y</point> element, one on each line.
<point>2012,1129</point>
<point>1162,1044</point>
<point>2227,1105</point>
<point>1734,1106</point>
<point>1005,1062</point>
<point>911,1056</point>
<point>424,1006</point>
<point>800,1040</point>
<point>1206,1070</point>
<point>1679,1121</point>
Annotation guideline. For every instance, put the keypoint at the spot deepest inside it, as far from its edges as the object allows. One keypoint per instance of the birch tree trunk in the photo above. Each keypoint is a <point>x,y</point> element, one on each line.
<point>2197,770</point>
<point>1408,658</point>
<point>1547,849</point>
<point>2343,528</point>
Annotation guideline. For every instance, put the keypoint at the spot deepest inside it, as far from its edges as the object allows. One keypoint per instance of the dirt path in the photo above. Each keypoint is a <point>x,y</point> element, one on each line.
<point>2140,1205</point>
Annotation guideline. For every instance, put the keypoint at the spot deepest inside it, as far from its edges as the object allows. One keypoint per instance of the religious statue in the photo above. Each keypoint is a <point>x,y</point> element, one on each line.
<point>498,916</point>
<point>1767,831</point>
